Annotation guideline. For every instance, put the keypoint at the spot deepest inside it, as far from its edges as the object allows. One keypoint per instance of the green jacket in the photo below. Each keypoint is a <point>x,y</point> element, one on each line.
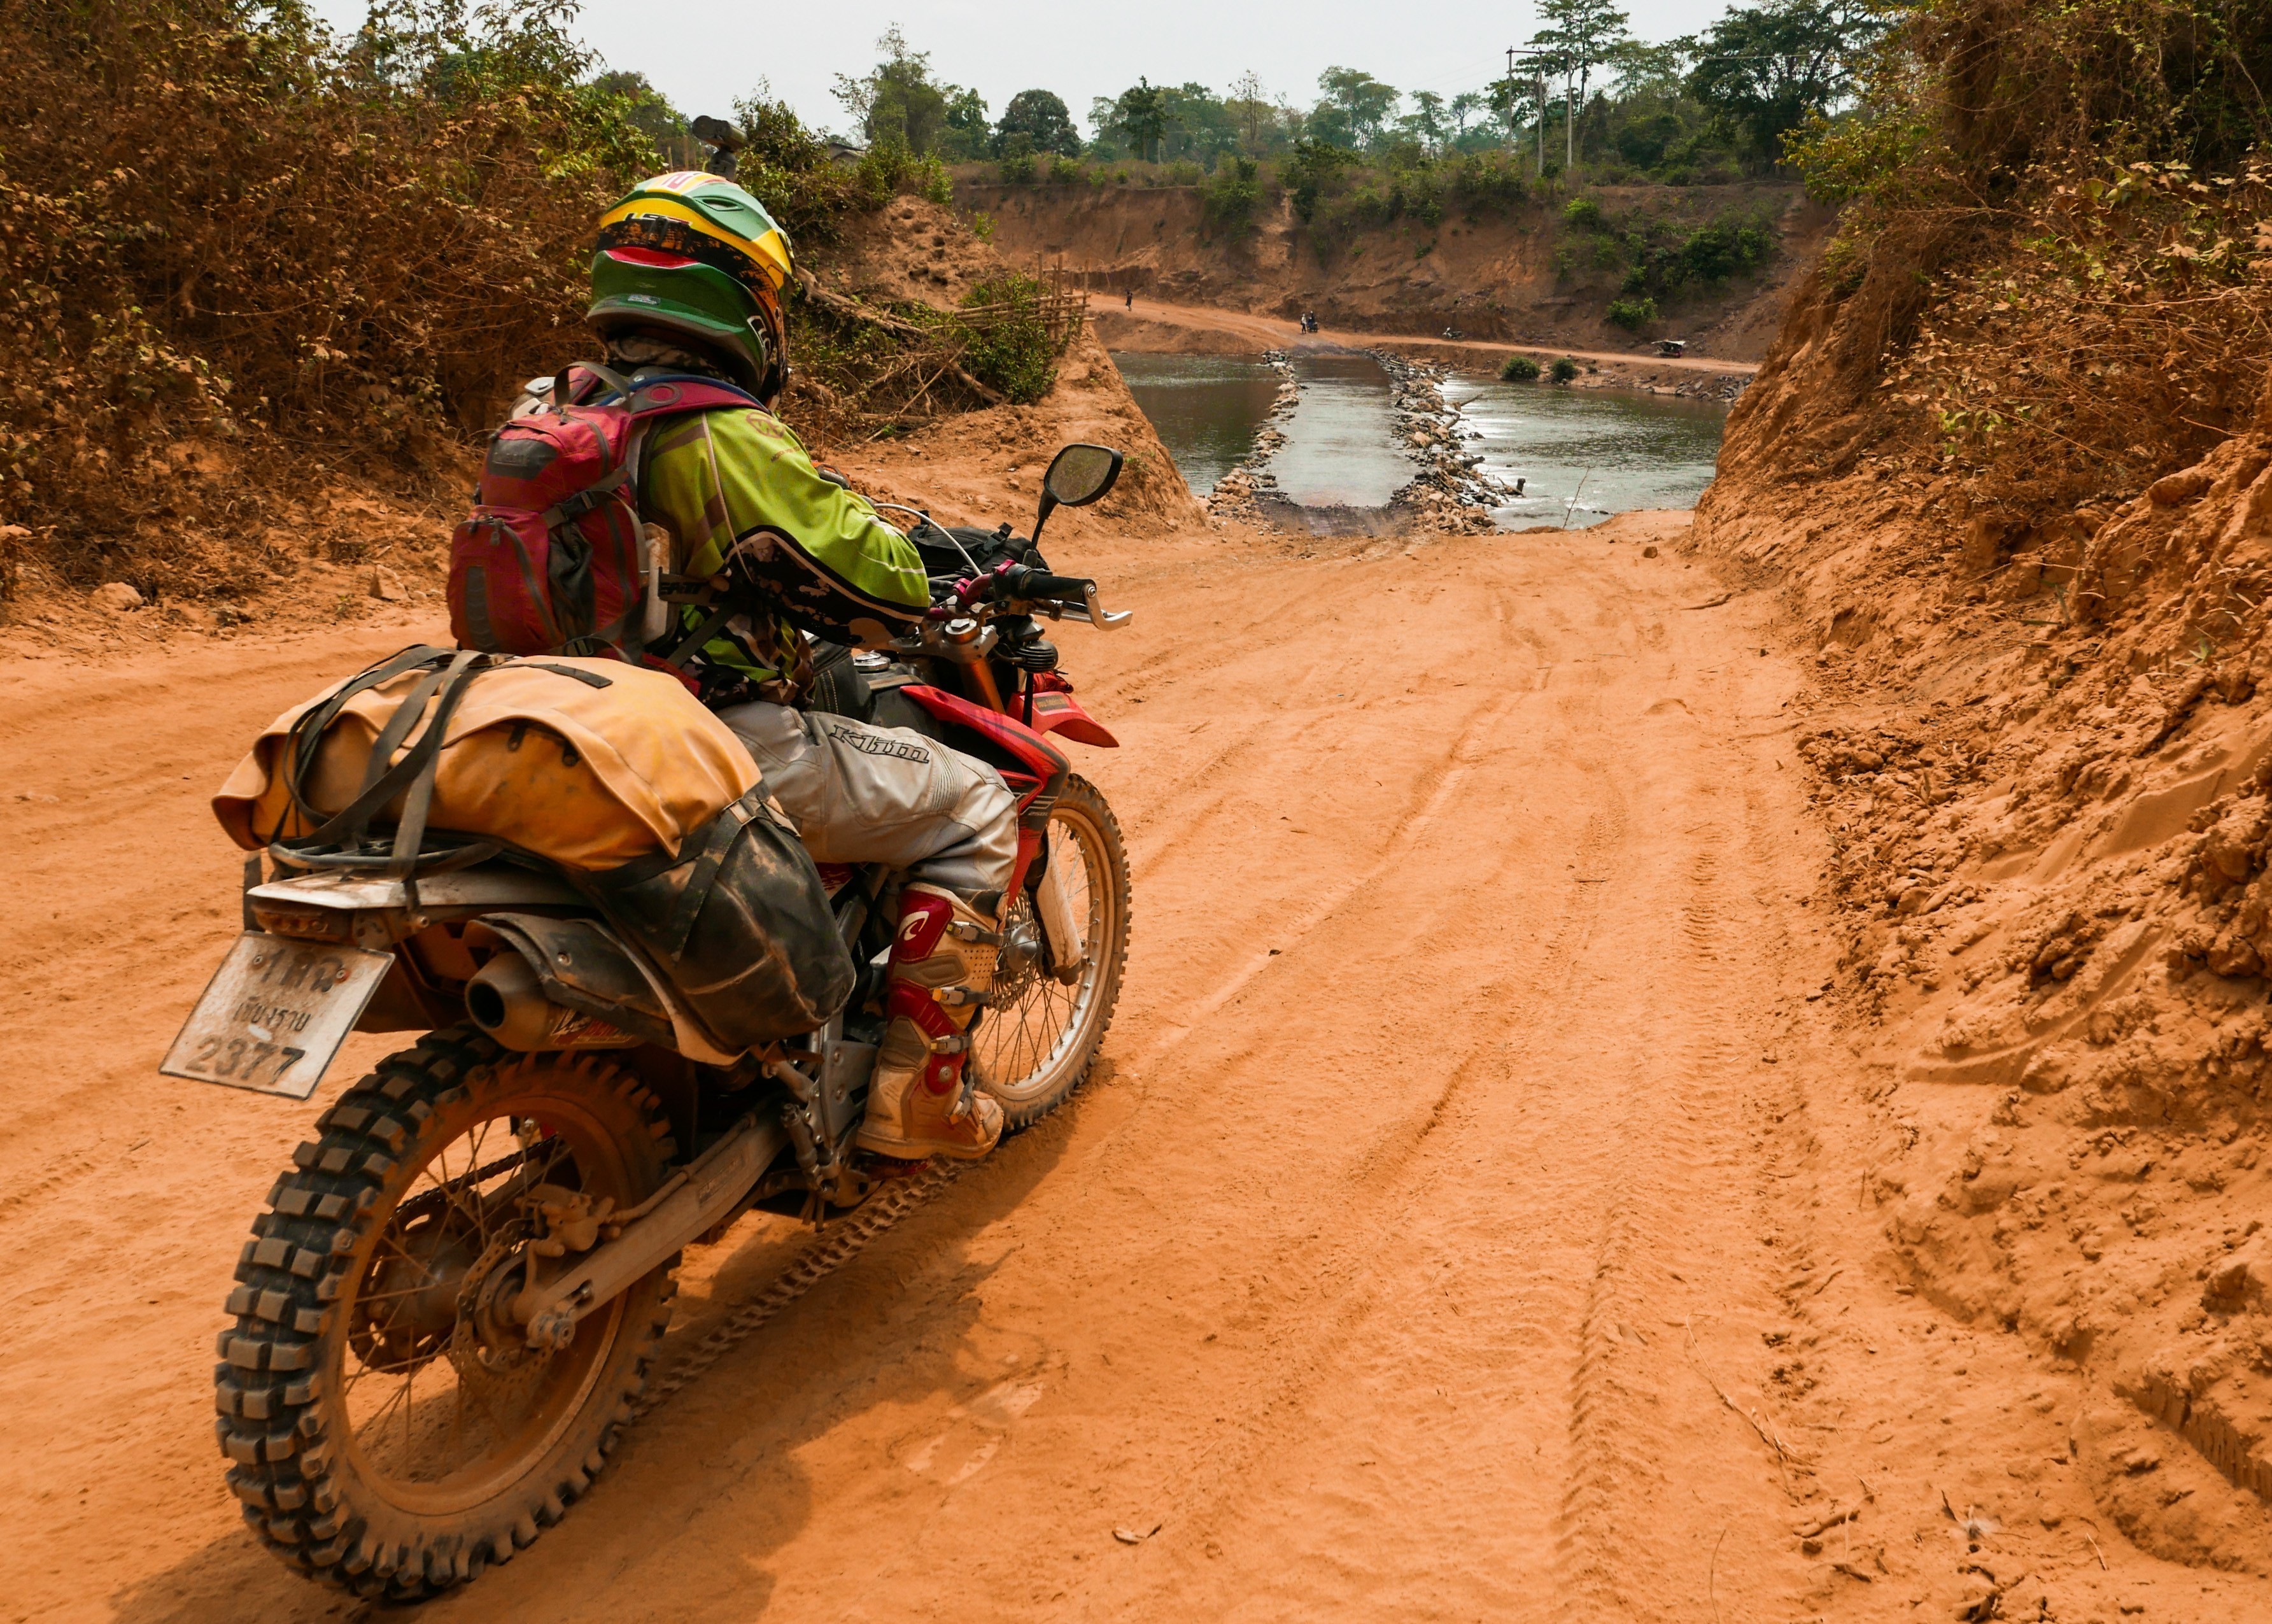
<point>813,556</point>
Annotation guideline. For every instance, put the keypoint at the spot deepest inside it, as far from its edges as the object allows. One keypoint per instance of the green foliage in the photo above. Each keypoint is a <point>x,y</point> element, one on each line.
<point>888,170</point>
<point>1661,259</point>
<point>1144,115</point>
<point>1764,72</point>
<point>1583,215</point>
<point>1019,165</point>
<point>982,226</point>
<point>1520,369</point>
<point>1563,369</point>
<point>1014,353</point>
<point>1231,200</point>
<point>1183,172</point>
<point>1354,109</point>
<point>899,103</point>
<point>1632,313</point>
<point>1041,120</point>
<point>1343,194</point>
<point>1313,167</point>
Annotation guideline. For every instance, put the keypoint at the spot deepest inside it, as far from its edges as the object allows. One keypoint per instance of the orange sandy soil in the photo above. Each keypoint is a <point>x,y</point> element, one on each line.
<point>1155,327</point>
<point>1464,1220</point>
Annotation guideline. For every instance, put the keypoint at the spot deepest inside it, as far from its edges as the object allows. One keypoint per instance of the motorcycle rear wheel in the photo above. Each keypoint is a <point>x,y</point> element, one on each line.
<point>1039,1036</point>
<point>391,1431</point>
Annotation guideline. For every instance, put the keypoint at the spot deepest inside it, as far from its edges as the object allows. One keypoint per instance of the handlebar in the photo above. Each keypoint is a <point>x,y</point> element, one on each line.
<point>1069,596</point>
<point>1021,581</point>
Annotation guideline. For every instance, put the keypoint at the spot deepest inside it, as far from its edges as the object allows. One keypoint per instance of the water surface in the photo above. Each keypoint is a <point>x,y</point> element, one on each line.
<point>1205,408</point>
<point>1609,451</point>
<point>1342,449</point>
<point>1585,453</point>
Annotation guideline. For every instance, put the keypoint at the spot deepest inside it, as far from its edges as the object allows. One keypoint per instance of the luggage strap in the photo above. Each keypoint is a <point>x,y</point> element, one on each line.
<point>333,844</point>
<point>725,829</point>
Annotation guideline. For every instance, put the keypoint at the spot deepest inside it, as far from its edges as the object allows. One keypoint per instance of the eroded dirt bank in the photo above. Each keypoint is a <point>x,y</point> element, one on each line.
<point>2042,752</point>
<point>1469,1218</point>
<point>1529,275</point>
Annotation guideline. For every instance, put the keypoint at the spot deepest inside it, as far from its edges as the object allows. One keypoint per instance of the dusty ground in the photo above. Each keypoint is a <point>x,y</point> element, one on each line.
<point>1465,1220</point>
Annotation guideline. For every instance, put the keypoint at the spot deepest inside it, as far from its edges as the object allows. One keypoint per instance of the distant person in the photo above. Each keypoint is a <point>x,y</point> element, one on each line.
<point>1131,298</point>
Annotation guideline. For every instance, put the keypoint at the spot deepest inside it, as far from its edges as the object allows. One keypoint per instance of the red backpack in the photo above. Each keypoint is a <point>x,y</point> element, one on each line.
<point>555,559</point>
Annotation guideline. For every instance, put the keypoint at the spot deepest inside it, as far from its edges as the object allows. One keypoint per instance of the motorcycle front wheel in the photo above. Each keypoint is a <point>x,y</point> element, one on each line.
<point>1042,1030</point>
<point>390,1428</point>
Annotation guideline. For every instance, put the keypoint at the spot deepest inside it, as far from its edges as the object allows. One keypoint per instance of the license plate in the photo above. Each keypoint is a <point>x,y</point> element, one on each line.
<point>275,1014</point>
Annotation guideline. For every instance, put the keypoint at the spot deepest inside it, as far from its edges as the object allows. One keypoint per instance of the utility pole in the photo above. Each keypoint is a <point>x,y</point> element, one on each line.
<point>1510,95</point>
<point>1538,71</point>
<point>1569,120</point>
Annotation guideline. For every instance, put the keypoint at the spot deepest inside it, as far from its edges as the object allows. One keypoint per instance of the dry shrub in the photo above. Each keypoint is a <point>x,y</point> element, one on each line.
<point>2121,333</point>
<point>236,256</point>
<point>2042,281</point>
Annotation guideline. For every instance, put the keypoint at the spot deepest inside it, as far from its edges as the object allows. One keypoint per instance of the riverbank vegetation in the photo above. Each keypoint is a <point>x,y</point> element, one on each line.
<point>243,258</point>
<point>2051,281</point>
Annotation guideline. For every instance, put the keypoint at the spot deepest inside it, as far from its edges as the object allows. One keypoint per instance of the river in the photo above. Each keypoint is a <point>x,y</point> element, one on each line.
<point>1583,453</point>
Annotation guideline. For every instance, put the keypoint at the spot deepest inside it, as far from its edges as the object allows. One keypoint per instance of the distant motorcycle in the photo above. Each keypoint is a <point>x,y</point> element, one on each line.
<point>446,1311</point>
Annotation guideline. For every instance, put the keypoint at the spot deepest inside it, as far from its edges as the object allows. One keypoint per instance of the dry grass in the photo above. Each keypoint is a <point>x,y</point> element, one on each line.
<point>237,262</point>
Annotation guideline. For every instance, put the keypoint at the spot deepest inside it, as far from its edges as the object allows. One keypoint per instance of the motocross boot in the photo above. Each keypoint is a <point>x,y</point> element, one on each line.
<point>920,1103</point>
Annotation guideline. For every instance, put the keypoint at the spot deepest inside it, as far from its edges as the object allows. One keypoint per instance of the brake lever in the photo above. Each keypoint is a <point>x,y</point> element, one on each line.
<point>1099,615</point>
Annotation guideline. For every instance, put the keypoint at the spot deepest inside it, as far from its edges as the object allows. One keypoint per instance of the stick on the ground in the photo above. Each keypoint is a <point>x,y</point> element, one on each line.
<point>1784,1453</point>
<point>855,310</point>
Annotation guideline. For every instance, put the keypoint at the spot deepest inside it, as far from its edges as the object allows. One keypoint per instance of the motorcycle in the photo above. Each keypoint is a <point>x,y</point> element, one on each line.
<point>445,1315</point>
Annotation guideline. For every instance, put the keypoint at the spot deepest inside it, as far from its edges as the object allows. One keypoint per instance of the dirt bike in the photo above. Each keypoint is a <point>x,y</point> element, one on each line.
<point>445,1315</point>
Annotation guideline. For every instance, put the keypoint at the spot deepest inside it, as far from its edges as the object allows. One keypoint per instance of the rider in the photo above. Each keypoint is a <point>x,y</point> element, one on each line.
<point>687,278</point>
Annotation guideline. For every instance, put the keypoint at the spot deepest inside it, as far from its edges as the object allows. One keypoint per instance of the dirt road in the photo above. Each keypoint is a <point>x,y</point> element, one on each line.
<point>1457,1226</point>
<point>1271,332</point>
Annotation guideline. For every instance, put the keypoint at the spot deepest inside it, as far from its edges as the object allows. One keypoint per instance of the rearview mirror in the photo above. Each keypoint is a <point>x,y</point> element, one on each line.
<point>1078,475</point>
<point>1081,475</point>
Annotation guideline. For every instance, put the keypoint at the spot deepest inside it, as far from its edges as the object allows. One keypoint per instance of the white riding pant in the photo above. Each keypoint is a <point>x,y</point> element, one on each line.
<point>864,793</point>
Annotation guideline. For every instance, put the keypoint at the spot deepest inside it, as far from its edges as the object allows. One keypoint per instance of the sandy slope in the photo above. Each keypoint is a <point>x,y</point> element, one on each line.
<point>1459,1211</point>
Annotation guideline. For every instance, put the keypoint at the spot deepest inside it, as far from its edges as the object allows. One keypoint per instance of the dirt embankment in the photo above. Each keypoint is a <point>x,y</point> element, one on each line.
<point>2046,759</point>
<point>353,552</point>
<point>1527,278</point>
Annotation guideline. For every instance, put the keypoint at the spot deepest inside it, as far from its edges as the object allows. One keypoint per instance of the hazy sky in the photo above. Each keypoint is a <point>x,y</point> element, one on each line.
<point>704,53</point>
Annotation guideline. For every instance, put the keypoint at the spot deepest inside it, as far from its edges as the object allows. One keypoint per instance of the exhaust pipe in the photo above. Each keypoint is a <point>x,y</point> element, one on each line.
<point>507,1001</point>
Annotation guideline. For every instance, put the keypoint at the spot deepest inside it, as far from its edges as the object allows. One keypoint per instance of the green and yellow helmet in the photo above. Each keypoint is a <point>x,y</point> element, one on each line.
<point>692,254</point>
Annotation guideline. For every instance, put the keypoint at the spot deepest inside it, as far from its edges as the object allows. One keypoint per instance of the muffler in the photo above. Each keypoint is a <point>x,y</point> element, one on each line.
<point>507,1001</point>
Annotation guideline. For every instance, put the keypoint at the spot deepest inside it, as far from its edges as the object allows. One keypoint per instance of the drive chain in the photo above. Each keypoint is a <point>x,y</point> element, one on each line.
<point>824,1253</point>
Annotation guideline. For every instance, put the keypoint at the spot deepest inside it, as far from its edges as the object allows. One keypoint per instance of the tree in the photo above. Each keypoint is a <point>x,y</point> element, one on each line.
<point>1200,124</point>
<point>1142,113</point>
<point>968,134</point>
<point>1363,102</point>
<point>1464,109</point>
<point>1424,124</point>
<point>1249,107</point>
<point>1761,72</point>
<point>1579,37</point>
<point>651,113</point>
<point>1042,118</point>
<point>898,104</point>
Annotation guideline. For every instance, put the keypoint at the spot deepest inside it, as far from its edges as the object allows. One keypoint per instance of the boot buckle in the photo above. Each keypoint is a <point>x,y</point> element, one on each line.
<point>959,998</point>
<point>953,1042</point>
